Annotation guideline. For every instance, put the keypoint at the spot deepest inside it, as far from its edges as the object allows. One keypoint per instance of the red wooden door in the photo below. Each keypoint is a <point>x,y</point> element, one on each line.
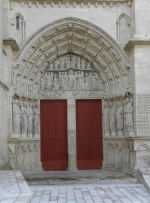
<point>54,153</point>
<point>89,134</point>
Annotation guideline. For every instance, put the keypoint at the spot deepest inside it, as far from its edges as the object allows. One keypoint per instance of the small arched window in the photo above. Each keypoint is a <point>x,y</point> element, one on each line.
<point>17,23</point>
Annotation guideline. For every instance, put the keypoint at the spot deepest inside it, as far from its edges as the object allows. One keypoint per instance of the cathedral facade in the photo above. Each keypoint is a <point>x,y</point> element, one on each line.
<point>74,84</point>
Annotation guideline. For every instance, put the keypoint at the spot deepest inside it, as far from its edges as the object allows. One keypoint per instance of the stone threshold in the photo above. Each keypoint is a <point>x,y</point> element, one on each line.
<point>13,188</point>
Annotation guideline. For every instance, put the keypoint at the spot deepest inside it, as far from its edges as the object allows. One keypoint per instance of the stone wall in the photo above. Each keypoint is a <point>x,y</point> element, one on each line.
<point>24,155</point>
<point>96,13</point>
<point>3,102</point>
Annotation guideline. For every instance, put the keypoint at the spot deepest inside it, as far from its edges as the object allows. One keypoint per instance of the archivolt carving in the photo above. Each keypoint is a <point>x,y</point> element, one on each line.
<point>77,38</point>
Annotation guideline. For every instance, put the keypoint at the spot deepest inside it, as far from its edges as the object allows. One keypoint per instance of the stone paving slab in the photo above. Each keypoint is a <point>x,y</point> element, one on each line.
<point>111,192</point>
<point>108,191</point>
<point>13,188</point>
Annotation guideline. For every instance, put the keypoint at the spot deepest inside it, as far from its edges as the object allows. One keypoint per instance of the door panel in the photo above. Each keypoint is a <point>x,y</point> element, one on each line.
<point>89,134</point>
<point>53,116</point>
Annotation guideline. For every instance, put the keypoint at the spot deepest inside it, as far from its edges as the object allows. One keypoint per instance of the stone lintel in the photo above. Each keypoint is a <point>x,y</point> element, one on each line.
<point>4,86</point>
<point>136,41</point>
<point>12,43</point>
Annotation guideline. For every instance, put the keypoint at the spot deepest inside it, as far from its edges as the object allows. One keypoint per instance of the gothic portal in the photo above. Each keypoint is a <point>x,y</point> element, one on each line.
<point>73,60</point>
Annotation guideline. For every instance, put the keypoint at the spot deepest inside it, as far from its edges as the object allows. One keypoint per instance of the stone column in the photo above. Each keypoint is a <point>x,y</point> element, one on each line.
<point>71,116</point>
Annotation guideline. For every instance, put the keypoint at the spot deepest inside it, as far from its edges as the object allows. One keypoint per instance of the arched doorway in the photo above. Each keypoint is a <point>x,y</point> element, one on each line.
<point>71,59</point>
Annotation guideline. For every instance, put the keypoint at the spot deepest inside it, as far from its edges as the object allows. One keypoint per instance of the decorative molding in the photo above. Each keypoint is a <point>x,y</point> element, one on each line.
<point>71,35</point>
<point>12,43</point>
<point>137,41</point>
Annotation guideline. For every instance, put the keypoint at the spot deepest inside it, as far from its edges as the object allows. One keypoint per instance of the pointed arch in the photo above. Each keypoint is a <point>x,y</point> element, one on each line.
<point>123,28</point>
<point>72,35</point>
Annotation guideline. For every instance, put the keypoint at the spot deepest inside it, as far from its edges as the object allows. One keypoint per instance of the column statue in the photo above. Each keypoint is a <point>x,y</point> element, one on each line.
<point>106,117</point>
<point>30,118</point>
<point>119,116</point>
<point>112,117</point>
<point>16,117</point>
<point>24,123</point>
<point>129,115</point>
<point>35,120</point>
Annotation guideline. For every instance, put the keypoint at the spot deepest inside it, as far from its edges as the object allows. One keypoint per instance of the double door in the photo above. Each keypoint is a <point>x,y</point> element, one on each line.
<point>54,142</point>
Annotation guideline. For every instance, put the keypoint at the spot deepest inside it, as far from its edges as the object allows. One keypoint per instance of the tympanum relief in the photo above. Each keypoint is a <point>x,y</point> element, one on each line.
<point>70,72</point>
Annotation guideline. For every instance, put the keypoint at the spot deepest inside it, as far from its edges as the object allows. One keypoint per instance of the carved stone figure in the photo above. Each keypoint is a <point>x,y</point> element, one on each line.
<point>86,81</point>
<point>49,80</point>
<point>30,85</point>
<point>24,83</point>
<point>24,123</point>
<point>119,116</point>
<point>16,117</point>
<point>112,86</point>
<point>106,117</point>
<point>30,118</point>
<point>129,115</point>
<point>71,79</point>
<point>42,83</point>
<point>112,117</point>
<point>56,82</point>
<point>35,120</point>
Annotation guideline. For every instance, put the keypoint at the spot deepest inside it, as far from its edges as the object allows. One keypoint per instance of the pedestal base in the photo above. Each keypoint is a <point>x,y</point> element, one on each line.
<point>72,163</point>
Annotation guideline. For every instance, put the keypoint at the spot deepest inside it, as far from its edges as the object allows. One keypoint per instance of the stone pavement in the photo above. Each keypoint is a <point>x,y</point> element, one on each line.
<point>89,190</point>
<point>13,188</point>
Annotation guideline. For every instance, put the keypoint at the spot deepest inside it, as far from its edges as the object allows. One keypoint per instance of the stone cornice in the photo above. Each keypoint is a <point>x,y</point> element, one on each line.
<point>77,1</point>
<point>68,3</point>
<point>136,41</point>
<point>4,86</point>
<point>12,43</point>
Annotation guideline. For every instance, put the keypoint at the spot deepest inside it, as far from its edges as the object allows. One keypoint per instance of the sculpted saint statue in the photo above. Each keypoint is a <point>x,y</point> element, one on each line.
<point>106,117</point>
<point>24,124</point>
<point>67,62</point>
<point>86,81</point>
<point>35,120</point>
<point>42,82</point>
<point>64,80</point>
<point>30,85</point>
<point>83,64</point>
<point>112,117</point>
<point>24,82</point>
<point>119,116</point>
<point>16,117</point>
<point>71,80</point>
<point>49,80</point>
<point>56,82</point>
<point>129,115</point>
<point>30,118</point>
<point>73,61</point>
